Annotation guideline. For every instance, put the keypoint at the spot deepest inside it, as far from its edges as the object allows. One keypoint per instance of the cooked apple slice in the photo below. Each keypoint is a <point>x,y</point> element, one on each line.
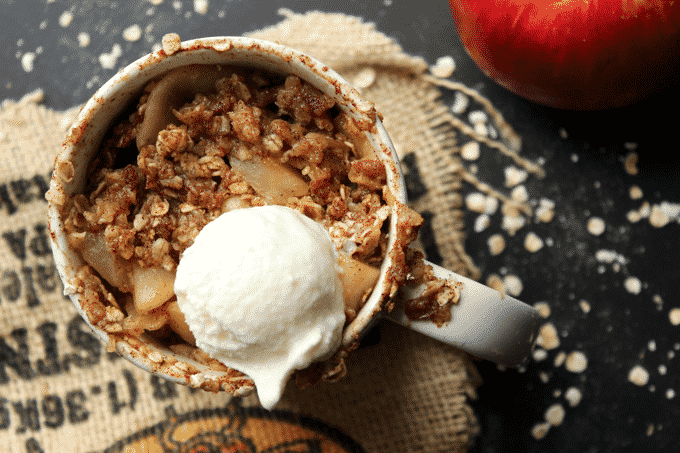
<point>152,287</point>
<point>178,323</point>
<point>110,267</point>
<point>357,278</point>
<point>271,179</point>
<point>172,91</point>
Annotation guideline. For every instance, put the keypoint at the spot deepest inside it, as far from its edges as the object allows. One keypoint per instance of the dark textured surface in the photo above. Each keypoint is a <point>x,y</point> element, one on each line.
<point>585,177</point>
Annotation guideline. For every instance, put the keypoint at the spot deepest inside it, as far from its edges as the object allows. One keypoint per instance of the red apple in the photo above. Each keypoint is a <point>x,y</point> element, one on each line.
<point>573,54</point>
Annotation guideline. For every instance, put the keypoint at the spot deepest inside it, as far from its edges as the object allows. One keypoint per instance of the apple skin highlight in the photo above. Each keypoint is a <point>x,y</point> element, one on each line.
<point>579,54</point>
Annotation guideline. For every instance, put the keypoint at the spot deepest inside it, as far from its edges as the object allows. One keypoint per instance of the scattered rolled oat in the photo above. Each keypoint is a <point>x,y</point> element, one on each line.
<point>533,243</point>
<point>513,223</point>
<point>460,103</point>
<point>108,60</point>
<point>478,116</point>
<point>201,7</point>
<point>540,430</point>
<point>576,362</point>
<point>573,396</point>
<point>674,316</point>
<point>514,176</point>
<point>65,18</point>
<point>444,67</point>
<point>539,354</point>
<point>560,358</point>
<point>496,244</point>
<point>83,39</point>
<point>491,206</point>
<point>513,284</point>
<point>543,309</point>
<point>555,414</point>
<point>585,306</point>
<point>547,336</point>
<point>520,194</point>
<point>156,2</point>
<point>630,164</point>
<point>545,211</point>
<point>495,282</point>
<point>365,78</point>
<point>670,394</point>
<point>633,285</point>
<point>596,226</point>
<point>27,61</point>
<point>635,192</point>
<point>132,33</point>
<point>563,133</point>
<point>658,218</point>
<point>171,43</point>
<point>476,202</point>
<point>470,151</point>
<point>638,376</point>
<point>482,223</point>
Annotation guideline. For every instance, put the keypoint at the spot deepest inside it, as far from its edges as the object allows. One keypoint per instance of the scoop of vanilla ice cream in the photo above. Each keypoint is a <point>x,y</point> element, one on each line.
<point>260,291</point>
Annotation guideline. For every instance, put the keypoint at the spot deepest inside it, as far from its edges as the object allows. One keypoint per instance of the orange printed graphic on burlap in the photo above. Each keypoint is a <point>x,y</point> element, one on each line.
<point>236,429</point>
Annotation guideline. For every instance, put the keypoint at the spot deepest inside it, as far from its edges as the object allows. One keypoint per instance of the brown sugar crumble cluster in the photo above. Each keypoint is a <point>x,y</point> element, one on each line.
<point>204,140</point>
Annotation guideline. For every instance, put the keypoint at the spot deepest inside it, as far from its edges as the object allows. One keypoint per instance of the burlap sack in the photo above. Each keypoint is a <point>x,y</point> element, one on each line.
<point>60,391</point>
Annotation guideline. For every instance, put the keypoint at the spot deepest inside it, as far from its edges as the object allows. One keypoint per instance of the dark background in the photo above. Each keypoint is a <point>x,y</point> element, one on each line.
<point>585,178</point>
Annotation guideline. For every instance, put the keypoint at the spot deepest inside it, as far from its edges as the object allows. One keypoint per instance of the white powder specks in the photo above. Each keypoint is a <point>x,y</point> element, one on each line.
<point>633,285</point>
<point>27,61</point>
<point>638,376</point>
<point>533,243</point>
<point>108,60</point>
<point>65,18</point>
<point>674,316</point>
<point>573,396</point>
<point>576,362</point>
<point>83,39</point>
<point>444,67</point>
<point>470,151</point>
<point>596,226</point>
<point>132,33</point>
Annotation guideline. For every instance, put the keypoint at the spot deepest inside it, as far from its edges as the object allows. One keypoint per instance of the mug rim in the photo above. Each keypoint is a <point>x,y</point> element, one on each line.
<point>109,101</point>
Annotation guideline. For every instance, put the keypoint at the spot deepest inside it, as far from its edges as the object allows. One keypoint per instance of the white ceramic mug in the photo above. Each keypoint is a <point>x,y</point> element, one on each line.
<point>484,323</point>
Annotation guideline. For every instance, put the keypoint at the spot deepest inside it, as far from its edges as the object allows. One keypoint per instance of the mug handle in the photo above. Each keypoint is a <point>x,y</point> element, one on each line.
<point>484,323</point>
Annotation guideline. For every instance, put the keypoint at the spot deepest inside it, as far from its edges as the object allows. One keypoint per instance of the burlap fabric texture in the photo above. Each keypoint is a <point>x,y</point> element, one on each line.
<point>60,391</point>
